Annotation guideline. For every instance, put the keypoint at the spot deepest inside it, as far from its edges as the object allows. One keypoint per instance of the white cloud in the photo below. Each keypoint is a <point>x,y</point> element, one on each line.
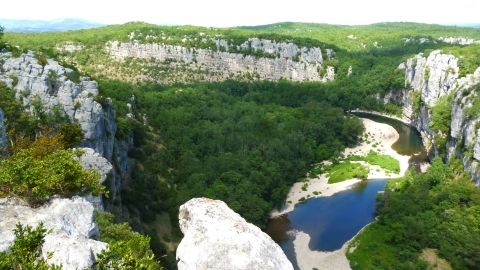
<point>246,12</point>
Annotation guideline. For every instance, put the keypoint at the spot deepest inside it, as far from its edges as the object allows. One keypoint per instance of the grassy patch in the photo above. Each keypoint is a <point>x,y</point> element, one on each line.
<point>346,170</point>
<point>386,162</point>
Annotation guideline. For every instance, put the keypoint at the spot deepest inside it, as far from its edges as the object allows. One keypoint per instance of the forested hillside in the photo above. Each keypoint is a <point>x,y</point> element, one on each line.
<point>245,140</point>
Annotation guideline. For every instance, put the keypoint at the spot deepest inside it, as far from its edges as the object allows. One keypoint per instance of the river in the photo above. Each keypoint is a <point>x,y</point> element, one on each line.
<point>332,221</point>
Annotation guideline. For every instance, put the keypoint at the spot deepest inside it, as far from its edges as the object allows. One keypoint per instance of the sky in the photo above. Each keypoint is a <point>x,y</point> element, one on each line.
<point>246,12</point>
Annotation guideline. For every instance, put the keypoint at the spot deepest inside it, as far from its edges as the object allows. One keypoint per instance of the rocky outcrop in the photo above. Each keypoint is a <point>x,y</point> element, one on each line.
<point>459,40</point>
<point>71,222</point>
<point>215,237</point>
<point>72,226</point>
<point>255,58</point>
<point>57,88</point>
<point>427,80</point>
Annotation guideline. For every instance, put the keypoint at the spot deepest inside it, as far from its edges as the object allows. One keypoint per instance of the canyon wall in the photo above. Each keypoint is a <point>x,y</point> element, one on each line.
<point>48,86</point>
<point>429,79</point>
<point>254,59</point>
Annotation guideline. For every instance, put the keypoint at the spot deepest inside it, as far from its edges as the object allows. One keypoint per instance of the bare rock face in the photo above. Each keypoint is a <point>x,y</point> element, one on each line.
<point>430,78</point>
<point>276,61</point>
<point>215,237</point>
<point>55,88</point>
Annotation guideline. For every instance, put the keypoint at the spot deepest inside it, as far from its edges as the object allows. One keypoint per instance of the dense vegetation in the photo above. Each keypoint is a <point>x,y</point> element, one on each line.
<point>242,143</point>
<point>25,253</point>
<point>39,162</point>
<point>127,250</point>
<point>441,120</point>
<point>439,209</point>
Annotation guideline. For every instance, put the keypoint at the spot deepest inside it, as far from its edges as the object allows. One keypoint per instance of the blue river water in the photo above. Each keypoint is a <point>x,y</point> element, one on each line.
<point>332,221</point>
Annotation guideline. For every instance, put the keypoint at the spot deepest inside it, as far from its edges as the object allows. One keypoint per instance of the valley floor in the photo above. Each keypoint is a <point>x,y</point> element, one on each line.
<point>380,138</point>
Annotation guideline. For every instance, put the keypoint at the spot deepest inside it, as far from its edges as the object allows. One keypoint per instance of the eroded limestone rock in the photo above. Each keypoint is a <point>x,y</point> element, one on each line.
<point>215,237</point>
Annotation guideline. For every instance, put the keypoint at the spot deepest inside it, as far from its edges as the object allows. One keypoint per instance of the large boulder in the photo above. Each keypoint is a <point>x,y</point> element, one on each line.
<point>215,237</point>
<point>71,224</point>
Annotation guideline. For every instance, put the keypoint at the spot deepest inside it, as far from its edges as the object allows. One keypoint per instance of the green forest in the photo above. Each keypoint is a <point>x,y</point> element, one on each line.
<point>439,209</point>
<point>243,142</point>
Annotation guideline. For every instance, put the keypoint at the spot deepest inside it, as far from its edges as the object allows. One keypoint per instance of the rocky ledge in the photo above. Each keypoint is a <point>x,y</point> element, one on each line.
<point>71,222</point>
<point>215,237</point>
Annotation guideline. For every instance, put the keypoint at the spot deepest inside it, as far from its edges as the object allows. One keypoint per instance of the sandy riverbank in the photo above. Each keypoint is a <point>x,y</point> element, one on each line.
<point>381,135</point>
<point>378,134</point>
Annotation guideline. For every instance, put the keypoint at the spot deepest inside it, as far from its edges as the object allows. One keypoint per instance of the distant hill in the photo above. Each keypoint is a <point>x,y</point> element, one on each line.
<point>46,26</point>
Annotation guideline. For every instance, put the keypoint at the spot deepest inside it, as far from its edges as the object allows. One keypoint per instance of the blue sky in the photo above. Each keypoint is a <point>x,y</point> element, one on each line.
<point>246,12</point>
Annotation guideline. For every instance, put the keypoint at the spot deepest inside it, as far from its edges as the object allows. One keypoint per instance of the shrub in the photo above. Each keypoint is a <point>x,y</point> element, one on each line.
<point>126,249</point>
<point>45,169</point>
<point>25,253</point>
<point>72,134</point>
<point>42,59</point>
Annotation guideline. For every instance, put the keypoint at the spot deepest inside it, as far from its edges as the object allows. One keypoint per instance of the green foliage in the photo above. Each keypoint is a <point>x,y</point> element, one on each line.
<point>25,253</point>
<point>438,209</point>
<point>238,142</point>
<point>417,103</point>
<point>374,158</point>
<point>474,110</point>
<point>17,120</point>
<point>72,134</point>
<point>42,59</point>
<point>441,119</point>
<point>45,169</point>
<point>393,109</point>
<point>426,76</point>
<point>468,58</point>
<point>127,250</point>
<point>346,170</point>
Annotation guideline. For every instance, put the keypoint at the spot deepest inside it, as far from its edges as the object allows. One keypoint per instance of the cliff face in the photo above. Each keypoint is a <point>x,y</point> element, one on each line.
<point>53,85</point>
<point>428,79</point>
<point>254,59</point>
<point>55,88</point>
<point>215,237</point>
<point>58,88</point>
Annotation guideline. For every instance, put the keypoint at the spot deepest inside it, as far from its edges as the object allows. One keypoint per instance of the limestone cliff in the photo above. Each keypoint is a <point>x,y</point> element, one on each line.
<point>215,237</point>
<point>427,80</point>
<point>254,59</point>
<point>54,88</point>
<point>59,88</point>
